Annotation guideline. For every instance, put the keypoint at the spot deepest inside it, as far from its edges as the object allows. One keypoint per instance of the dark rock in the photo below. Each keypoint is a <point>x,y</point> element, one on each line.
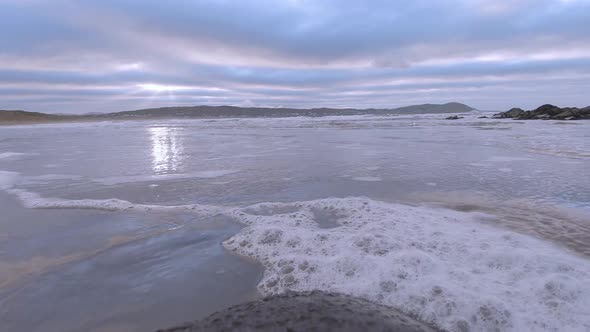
<point>308,311</point>
<point>546,112</point>
<point>565,114</point>
<point>512,113</point>
<point>515,112</point>
<point>454,117</point>
<point>573,113</point>
<point>482,117</point>
<point>547,109</point>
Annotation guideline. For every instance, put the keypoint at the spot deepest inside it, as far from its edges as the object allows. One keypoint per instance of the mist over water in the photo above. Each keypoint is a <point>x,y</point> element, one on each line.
<point>475,223</point>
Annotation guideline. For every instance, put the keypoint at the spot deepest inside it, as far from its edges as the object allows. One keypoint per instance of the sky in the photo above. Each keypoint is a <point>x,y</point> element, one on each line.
<point>79,56</point>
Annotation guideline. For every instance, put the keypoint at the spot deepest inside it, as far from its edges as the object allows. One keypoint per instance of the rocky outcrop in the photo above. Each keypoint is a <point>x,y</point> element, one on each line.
<point>307,311</point>
<point>454,117</point>
<point>546,112</point>
<point>573,113</point>
<point>512,113</point>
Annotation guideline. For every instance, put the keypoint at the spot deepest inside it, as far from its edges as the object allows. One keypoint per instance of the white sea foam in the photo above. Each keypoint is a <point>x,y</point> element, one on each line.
<point>47,178</point>
<point>165,177</point>
<point>220,182</point>
<point>367,178</point>
<point>439,264</point>
<point>33,200</point>
<point>507,159</point>
<point>6,155</point>
<point>571,162</point>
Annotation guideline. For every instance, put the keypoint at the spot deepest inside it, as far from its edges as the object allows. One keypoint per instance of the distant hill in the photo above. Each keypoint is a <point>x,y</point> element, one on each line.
<point>234,111</point>
<point>11,117</point>
<point>18,116</point>
<point>435,108</point>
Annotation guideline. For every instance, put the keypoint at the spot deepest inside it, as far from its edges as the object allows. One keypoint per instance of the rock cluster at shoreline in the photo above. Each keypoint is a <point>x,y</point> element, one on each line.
<point>307,311</point>
<point>546,112</point>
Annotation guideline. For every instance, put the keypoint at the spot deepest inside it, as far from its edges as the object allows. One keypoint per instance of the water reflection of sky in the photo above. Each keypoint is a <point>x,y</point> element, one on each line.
<point>167,149</point>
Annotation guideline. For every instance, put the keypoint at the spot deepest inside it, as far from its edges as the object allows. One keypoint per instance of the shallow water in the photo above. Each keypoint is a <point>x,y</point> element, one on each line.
<point>119,226</point>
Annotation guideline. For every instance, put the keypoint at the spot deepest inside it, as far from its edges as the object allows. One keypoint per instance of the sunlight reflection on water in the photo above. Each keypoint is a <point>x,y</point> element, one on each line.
<point>167,149</point>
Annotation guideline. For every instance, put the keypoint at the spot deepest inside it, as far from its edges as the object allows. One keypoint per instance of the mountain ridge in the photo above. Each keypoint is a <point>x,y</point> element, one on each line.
<point>225,111</point>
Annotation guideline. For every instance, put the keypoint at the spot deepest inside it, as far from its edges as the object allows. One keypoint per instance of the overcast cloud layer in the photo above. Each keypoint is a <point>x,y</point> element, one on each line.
<point>112,55</point>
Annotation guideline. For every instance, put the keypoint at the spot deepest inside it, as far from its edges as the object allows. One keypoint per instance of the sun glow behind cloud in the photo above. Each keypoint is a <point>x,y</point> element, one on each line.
<point>158,88</point>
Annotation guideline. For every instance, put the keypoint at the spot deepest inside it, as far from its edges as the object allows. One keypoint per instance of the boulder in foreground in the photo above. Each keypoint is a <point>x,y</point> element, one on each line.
<point>307,311</point>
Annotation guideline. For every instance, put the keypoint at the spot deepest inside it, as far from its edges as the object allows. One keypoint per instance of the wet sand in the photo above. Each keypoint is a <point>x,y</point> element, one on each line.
<point>109,271</point>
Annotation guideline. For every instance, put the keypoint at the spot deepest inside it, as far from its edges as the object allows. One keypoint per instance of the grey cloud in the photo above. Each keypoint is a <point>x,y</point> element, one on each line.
<point>306,31</point>
<point>291,52</point>
<point>330,30</point>
<point>223,75</point>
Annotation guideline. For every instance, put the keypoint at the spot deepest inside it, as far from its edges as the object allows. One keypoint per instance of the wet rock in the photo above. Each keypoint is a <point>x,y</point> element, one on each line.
<point>546,112</point>
<point>454,117</point>
<point>573,113</point>
<point>307,311</point>
<point>482,117</point>
<point>547,109</point>
<point>565,114</point>
<point>512,113</point>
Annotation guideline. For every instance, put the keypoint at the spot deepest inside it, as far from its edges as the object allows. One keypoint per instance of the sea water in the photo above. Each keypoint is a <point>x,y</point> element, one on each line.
<point>472,225</point>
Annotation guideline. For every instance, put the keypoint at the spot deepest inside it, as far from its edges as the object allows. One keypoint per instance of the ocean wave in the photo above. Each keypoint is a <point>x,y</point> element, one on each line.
<point>438,264</point>
<point>441,265</point>
<point>6,155</point>
<point>8,179</point>
<point>165,177</point>
<point>33,200</point>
